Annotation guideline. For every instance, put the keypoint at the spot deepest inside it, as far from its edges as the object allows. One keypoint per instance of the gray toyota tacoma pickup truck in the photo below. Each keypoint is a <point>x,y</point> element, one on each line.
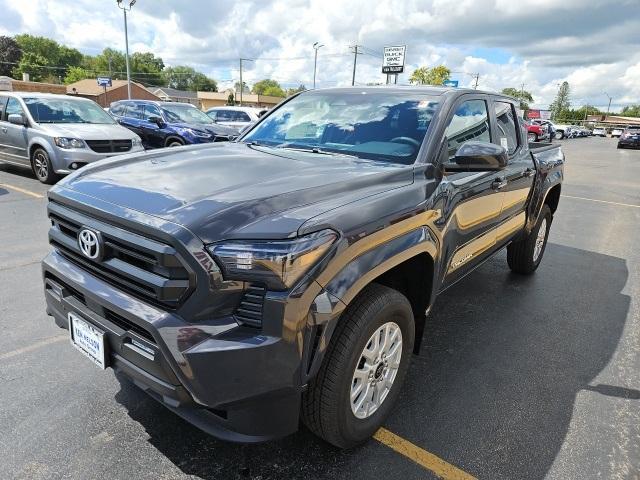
<point>287,276</point>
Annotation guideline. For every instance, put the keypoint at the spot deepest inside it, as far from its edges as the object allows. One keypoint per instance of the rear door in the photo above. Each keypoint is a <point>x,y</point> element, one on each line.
<point>520,171</point>
<point>153,135</point>
<point>15,138</point>
<point>472,200</point>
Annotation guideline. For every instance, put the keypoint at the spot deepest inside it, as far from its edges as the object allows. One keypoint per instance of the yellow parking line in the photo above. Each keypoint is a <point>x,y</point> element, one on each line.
<point>22,190</point>
<point>41,343</point>
<point>423,458</point>
<point>602,201</point>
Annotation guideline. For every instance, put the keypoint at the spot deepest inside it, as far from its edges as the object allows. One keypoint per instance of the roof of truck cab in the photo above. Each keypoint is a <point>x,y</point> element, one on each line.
<point>421,89</point>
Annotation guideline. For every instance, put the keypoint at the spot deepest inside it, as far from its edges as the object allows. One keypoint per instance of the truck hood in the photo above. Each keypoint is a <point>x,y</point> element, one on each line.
<point>88,131</point>
<point>234,190</point>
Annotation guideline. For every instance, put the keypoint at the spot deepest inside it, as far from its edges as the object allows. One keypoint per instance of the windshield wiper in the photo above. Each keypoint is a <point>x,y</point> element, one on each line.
<point>314,149</point>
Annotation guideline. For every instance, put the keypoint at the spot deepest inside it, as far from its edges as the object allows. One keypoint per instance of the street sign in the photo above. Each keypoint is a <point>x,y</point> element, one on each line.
<point>393,59</point>
<point>104,81</point>
<point>450,83</point>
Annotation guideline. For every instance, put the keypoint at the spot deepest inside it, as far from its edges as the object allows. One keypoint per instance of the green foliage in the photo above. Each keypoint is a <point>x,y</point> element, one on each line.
<point>75,74</point>
<point>268,87</point>
<point>146,69</point>
<point>631,111</point>
<point>430,76</point>
<point>562,103</point>
<point>187,78</point>
<point>10,53</point>
<point>231,100</point>
<point>293,91</point>
<point>522,95</point>
<point>43,57</point>
<point>579,114</point>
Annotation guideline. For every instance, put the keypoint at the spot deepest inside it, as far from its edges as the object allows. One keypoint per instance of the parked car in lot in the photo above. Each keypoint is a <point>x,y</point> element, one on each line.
<point>599,132</point>
<point>235,117</point>
<point>246,285</point>
<point>536,132</point>
<point>616,132</point>
<point>630,137</point>
<point>169,124</point>
<point>54,135</point>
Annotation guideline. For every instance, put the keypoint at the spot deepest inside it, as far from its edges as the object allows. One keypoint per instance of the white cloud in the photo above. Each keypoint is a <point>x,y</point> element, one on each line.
<point>540,43</point>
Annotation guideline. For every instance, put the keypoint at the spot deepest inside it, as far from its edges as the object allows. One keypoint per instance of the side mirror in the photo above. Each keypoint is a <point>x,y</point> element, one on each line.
<point>18,119</point>
<point>157,120</point>
<point>475,156</point>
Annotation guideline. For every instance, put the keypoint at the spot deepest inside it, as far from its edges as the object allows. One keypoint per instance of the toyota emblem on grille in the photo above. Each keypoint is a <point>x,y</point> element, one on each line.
<point>90,243</point>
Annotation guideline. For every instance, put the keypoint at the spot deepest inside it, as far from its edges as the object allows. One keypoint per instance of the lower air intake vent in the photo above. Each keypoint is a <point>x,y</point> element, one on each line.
<point>249,312</point>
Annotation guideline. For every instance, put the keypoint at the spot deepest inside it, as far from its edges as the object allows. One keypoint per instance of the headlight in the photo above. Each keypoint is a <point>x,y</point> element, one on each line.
<point>277,263</point>
<point>136,142</point>
<point>66,142</point>
<point>199,133</point>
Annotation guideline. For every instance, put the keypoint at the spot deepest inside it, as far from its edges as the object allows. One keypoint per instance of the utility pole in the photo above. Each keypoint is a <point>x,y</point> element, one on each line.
<point>608,106</point>
<point>316,47</point>
<point>475,86</point>
<point>124,9</point>
<point>355,61</point>
<point>242,84</point>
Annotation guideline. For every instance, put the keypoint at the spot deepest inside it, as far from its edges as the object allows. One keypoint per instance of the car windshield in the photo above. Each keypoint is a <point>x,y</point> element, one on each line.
<point>66,110</point>
<point>185,114</point>
<point>379,125</point>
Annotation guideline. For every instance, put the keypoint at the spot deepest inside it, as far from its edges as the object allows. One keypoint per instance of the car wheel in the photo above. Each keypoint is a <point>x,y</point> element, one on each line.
<point>42,167</point>
<point>525,255</point>
<point>532,137</point>
<point>559,134</point>
<point>174,142</point>
<point>363,370</point>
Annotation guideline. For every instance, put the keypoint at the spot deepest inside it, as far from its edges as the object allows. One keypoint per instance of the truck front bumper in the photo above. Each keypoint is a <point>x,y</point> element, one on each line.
<point>238,386</point>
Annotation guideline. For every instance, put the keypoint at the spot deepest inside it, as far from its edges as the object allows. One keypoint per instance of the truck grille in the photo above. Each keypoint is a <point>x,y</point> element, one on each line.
<point>109,146</point>
<point>143,267</point>
<point>249,311</point>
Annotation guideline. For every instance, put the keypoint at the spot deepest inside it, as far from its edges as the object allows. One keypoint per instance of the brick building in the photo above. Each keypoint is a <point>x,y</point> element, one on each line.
<point>8,83</point>
<point>90,89</point>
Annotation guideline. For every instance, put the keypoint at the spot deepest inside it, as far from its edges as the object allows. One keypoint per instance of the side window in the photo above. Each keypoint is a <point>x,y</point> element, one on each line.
<point>242,117</point>
<point>117,110</point>
<point>469,122</point>
<point>135,110</point>
<point>3,102</point>
<point>506,126</point>
<point>151,111</point>
<point>213,114</point>
<point>225,116</point>
<point>13,107</point>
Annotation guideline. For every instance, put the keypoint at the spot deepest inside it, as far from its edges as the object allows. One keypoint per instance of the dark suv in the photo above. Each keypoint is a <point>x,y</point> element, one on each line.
<point>288,275</point>
<point>169,124</point>
<point>630,137</point>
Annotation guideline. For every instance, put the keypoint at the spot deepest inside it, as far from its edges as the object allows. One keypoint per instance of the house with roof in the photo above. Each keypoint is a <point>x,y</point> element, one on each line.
<point>168,94</point>
<point>90,89</point>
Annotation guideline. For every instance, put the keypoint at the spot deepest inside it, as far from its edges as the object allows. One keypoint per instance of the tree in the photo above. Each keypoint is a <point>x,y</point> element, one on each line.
<point>186,78</point>
<point>230,99</point>
<point>268,87</point>
<point>522,95</point>
<point>245,87</point>
<point>562,103</point>
<point>293,91</point>
<point>146,68</point>
<point>43,57</point>
<point>430,76</point>
<point>631,111</point>
<point>10,54</point>
<point>75,74</point>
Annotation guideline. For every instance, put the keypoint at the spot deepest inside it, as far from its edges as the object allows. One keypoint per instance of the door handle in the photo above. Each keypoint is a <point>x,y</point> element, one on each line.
<point>4,129</point>
<point>529,172</point>
<point>499,183</point>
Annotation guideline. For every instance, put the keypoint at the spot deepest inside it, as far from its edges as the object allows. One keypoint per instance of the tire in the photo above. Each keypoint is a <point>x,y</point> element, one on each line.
<point>327,408</point>
<point>174,142</point>
<point>42,167</point>
<point>559,134</point>
<point>523,256</point>
<point>532,137</point>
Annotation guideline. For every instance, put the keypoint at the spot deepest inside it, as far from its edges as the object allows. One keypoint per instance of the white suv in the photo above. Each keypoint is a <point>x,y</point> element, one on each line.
<point>235,117</point>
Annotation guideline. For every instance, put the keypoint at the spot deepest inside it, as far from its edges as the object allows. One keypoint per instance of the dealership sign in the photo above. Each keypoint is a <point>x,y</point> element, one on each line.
<point>393,59</point>
<point>104,81</point>
<point>539,114</point>
<point>450,83</point>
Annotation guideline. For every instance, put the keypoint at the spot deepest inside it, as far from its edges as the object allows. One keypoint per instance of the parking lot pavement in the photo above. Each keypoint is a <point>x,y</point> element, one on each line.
<point>518,377</point>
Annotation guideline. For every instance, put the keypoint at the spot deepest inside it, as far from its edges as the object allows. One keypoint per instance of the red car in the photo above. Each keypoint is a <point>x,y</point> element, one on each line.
<point>536,133</point>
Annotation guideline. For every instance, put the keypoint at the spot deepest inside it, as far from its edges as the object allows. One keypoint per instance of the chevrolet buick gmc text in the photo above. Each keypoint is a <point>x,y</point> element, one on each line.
<point>288,275</point>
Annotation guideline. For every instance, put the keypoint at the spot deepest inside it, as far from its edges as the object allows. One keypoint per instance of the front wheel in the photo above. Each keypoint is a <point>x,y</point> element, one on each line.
<point>364,368</point>
<point>559,134</point>
<point>42,167</point>
<point>524,256</point>
<point>532,137</point>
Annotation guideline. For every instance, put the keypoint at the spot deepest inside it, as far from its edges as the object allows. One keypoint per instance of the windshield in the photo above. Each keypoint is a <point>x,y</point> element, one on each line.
<point>66,110</point>
<point>185,114</point>
<point>374,125</point>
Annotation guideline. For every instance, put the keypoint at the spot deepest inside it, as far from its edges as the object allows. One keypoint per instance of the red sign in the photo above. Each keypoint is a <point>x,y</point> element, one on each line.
<point>532,114</point>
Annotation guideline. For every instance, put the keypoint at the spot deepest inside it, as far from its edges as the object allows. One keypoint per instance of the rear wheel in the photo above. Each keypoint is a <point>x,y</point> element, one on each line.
<point>174,142</point>
<point>364,368</point>
<point>525,255</point>
<point>559,134</point>
<point>42,167</point>
<point>532,137</point>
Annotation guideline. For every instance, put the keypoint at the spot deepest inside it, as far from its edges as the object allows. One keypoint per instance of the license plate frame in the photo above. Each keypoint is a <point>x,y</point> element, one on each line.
<point>88,339</point>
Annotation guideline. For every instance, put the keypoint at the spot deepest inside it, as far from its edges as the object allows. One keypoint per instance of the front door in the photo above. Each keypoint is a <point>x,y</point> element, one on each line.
<point>472,201</point>
<point>14,140</point>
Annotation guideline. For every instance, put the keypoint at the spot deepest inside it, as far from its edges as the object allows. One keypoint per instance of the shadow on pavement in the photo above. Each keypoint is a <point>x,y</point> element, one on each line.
<point>491,392</point>
<point>15,170</point>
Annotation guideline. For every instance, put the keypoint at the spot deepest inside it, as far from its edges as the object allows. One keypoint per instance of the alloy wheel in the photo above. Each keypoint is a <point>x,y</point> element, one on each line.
<point>41,165</point>
<point>540,238</point>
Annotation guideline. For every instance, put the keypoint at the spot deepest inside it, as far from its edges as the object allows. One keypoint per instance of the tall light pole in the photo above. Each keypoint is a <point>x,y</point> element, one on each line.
<point>242,84</point>
<point>608,106</point>
<point>316,47</point>
<point>125,9</point>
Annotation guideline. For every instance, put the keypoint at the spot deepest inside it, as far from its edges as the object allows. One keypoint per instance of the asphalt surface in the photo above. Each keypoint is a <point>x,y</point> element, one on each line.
<point>519,377</point>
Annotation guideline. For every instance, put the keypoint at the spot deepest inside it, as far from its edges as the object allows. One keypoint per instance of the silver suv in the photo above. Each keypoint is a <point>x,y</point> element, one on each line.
<point>56,134</point>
